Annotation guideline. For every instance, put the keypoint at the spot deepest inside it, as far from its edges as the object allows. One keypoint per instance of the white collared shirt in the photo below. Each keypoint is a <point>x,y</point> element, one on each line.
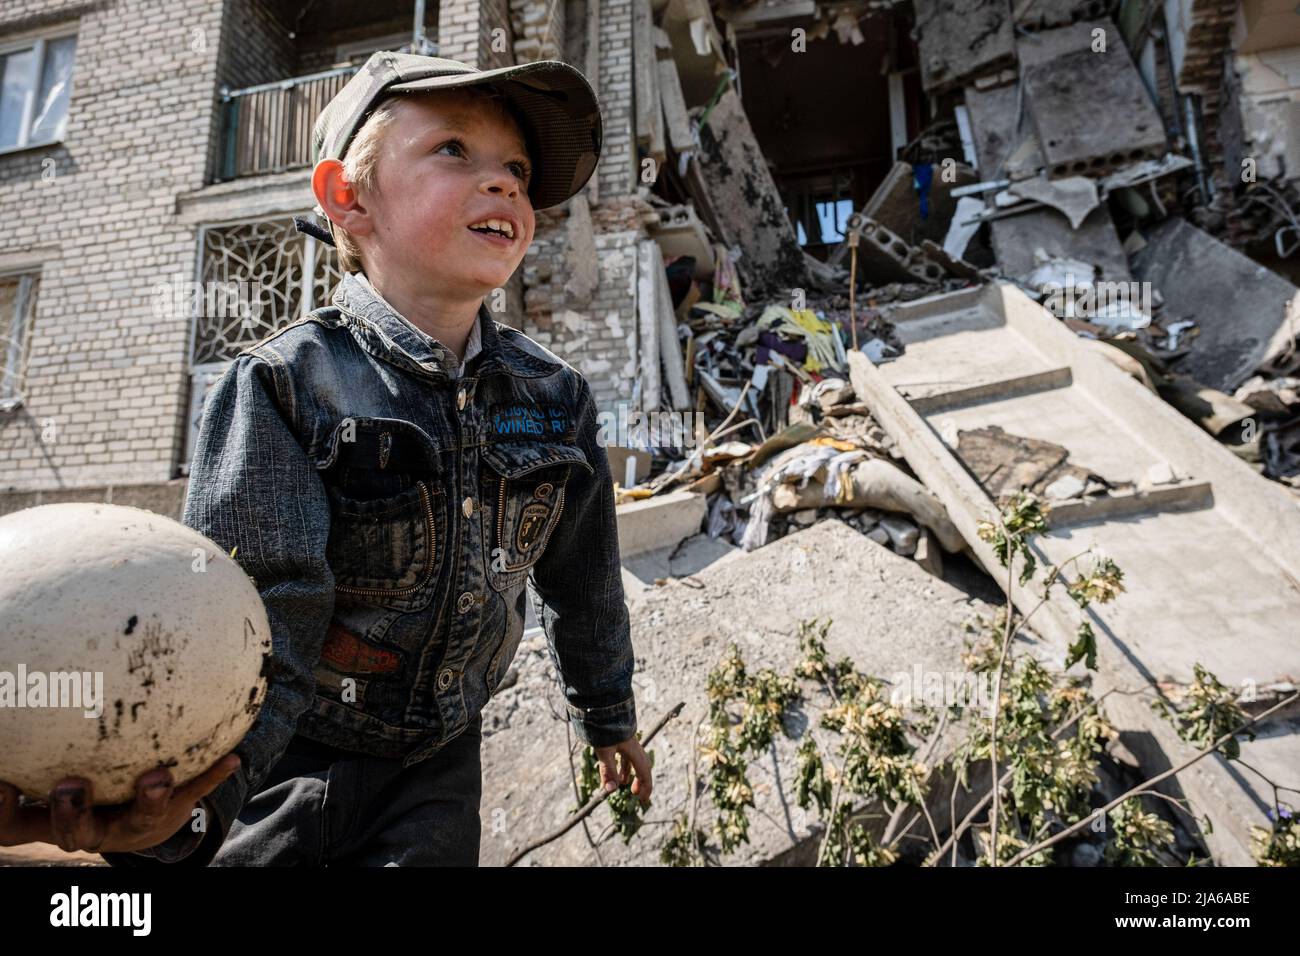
<point>472,347</point>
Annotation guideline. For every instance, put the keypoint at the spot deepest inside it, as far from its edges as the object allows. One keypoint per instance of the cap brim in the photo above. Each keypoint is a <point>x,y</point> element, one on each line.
<point>559,105</point>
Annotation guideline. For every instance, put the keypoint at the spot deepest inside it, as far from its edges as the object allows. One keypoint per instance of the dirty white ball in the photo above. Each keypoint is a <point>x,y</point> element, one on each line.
<point>128,641</point>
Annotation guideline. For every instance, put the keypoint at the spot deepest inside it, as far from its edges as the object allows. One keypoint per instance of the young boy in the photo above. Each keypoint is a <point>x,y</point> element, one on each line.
<point>396,472</point>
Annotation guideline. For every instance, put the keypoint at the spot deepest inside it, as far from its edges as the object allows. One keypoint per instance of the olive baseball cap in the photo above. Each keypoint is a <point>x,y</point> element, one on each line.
<point>553,101</point>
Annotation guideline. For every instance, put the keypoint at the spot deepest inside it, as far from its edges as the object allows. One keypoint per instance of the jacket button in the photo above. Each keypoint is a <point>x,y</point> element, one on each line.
<point>465,602</point>
<point>444,679</point>
<point>467,507</point>
<point>460,399</point>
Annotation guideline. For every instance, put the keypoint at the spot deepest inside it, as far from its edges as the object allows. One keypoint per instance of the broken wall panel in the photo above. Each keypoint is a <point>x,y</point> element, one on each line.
<point>1049,14</point>
<point>1090,109</point>
<point>998,138</point>
<point>748,207</point>
<point>961,40</point>
<point>1016,238</point>
<point>1244,312</point>
<point>649,110</point>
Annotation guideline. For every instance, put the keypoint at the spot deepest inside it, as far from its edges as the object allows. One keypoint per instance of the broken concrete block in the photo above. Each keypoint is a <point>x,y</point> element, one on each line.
<point>1015,239</point>
<point>928,553</point>
<point>875,484</point>
<point>1245,313</point>
<point>747,204</point>
<point>659,522</point>
<point>887,614</point>
<point>961,40</point>
<point>998,138</point>
<point>1074,196</point>
<point>903,535</point>
<point>896,205</point>
<point>884,256</point>
<point>680,233</point>
<point>879,535</point>
<point>1058,66</point>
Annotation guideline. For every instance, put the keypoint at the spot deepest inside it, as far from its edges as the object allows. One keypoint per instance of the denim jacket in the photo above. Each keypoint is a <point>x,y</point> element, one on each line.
<point>393,518</point>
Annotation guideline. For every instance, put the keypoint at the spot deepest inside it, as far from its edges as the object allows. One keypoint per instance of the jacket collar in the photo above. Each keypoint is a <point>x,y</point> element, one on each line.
<point>385,333</point>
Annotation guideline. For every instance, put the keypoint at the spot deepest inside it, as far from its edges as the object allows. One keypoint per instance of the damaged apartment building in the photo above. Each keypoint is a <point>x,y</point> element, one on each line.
<point>153,151</point>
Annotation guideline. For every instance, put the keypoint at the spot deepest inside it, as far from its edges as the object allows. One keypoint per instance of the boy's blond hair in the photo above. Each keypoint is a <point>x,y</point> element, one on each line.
<point>361,162</point>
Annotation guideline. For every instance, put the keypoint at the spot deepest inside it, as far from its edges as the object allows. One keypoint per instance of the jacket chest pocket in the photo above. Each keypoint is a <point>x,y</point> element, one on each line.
<point>524,488</point>
<point>388,514</point>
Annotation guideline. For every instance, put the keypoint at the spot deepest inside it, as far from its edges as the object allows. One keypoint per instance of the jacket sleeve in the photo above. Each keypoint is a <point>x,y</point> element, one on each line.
<point>577,590</point>
<point>254,488</point>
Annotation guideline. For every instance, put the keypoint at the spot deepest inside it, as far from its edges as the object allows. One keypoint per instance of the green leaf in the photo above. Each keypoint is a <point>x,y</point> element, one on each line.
<point>1084,647</point>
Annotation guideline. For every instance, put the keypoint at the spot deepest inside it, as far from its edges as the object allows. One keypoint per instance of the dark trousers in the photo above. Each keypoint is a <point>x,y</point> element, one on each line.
<point>319,807</point>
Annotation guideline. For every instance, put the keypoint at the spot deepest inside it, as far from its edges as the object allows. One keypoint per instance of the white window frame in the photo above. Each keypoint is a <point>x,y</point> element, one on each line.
<point>38,44</point>
<point>346,51</point>
<point>12,366</point>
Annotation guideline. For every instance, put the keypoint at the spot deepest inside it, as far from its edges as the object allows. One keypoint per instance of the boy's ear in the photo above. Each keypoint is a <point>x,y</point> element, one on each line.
<point>337,197</point>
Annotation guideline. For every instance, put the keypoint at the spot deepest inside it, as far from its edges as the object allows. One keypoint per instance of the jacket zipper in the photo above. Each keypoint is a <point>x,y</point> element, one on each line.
<point>501,518</point>
<point>430,537</point>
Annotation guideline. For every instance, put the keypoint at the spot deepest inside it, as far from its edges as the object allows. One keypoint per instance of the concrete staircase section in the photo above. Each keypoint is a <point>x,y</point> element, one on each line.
<point>1211,563</point>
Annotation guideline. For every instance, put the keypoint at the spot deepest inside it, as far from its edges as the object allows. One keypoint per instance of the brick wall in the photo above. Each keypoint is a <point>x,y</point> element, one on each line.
<point>595,336</point>
<point>618,155</point>
<point>106,389</point>
<point>106,380</point>
<point>539,29</point>
<point>477,32</point>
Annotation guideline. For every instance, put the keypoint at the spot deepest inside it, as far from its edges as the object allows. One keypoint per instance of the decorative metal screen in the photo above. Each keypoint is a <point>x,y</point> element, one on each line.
<point>17,298</point>
<point>255,277</point>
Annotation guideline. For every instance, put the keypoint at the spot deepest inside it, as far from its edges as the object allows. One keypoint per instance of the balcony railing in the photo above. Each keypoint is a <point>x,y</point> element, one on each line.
<point>267,128</point>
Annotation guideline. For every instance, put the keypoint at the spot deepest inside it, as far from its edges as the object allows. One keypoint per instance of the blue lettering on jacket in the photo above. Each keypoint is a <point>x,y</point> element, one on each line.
<point>528,421</point>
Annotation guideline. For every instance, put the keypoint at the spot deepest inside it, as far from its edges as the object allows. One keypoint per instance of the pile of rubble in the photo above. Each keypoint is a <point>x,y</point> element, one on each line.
<point>1092,219</point>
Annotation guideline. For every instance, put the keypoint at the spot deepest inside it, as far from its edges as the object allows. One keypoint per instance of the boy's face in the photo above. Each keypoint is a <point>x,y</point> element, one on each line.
<point>446,162</point>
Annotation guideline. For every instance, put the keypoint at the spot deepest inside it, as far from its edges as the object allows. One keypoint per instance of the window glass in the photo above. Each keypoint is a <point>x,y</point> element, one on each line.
<point>15,88</point>
<point>51,115</point>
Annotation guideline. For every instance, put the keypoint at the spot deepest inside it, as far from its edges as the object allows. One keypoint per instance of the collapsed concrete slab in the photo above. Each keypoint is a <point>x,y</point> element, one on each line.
<point>1245,313</point>
<point>1016,238</point>
<point>961,40</point>
<point>1046,14</point>
<point>1006,146</point>
<point>888,614</point>
<point>1070,80</point>
<point>747,204</point>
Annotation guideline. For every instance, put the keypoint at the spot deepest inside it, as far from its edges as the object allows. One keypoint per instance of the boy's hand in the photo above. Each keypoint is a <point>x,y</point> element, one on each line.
<point>72,822</point>
<point>612,776</point>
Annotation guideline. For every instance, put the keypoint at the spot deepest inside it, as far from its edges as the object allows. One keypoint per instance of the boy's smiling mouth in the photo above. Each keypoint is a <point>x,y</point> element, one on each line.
<point>495,230</point>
